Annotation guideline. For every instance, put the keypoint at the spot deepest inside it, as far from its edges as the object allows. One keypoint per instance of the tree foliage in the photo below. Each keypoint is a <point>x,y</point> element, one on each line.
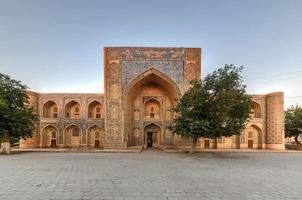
<point>213,107</point>
<point>293,122</point>
<point>16,116</point>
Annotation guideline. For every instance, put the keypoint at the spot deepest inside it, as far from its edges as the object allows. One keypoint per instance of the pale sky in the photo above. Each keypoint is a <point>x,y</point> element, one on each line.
<point>57,45</point>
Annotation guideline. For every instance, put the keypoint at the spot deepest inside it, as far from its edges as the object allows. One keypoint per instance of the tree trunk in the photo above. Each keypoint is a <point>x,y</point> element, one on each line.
<point>296,139</point>
<point>194,142</point>
<point>5,145</point>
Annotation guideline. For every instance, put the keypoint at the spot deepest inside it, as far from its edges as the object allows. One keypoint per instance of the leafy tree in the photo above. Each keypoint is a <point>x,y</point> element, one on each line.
<point>16,116</point>
<point>213,107</point>
<point>293,122</point>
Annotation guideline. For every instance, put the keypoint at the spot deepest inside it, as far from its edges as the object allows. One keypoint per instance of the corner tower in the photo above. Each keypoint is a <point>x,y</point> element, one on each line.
<point>275,121</point>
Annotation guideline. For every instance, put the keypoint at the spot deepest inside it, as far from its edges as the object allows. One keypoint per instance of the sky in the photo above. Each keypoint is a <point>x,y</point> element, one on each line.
<point>57,45</point>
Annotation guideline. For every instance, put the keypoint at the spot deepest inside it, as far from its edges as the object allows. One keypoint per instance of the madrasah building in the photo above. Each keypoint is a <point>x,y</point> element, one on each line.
<point>141,85</point>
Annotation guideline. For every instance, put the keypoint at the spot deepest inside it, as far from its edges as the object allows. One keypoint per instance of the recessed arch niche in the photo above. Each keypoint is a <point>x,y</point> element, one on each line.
<point>50,109</point>
<point>95,110</point>
<point>50,136</point>
<point>254,137</point>
<point>73,110</point>
<point>151,90</point>
<point>256,110</point>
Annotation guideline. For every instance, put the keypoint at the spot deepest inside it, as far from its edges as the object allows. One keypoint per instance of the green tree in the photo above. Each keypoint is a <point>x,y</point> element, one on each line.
<point>293,122</point>
<point>213,107</point>
<point>16,116</point>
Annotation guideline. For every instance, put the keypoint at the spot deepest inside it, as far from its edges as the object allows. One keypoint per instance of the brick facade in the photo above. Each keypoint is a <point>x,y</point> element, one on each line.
<point>141,85</point>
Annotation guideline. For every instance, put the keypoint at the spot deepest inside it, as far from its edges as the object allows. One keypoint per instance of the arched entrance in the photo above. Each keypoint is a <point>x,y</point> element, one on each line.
<point>148,99</point>
<point>254,137</point>
<point>95,137</point>
<point>152,136</point>
<point>49,136</point>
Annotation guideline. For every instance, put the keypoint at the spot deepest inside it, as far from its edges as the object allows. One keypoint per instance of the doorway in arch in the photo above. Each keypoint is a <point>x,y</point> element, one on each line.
<point>152,136</point>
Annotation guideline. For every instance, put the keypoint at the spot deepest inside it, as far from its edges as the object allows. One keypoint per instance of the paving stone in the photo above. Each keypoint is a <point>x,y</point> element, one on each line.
<point>151,175</point>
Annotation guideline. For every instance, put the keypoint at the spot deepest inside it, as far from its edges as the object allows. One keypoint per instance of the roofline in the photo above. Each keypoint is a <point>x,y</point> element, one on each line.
<point>64,93</point>
<point>150,47</point>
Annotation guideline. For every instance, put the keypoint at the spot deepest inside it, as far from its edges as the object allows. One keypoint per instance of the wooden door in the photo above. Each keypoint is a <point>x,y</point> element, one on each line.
<point>206,144</point>
<point>53,143</point>
<point>149,140</point>
<point>97,144</point>
<point>250,144</point>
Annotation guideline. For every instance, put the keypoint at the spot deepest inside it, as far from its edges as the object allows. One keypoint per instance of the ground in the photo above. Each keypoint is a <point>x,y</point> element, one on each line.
<point>151,175</point>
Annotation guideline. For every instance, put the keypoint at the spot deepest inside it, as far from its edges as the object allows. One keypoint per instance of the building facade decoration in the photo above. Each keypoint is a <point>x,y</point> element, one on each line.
<point>142,86</point>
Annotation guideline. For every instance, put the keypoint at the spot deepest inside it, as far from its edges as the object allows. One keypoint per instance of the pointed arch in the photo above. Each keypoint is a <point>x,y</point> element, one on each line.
<point>95,136</point>
<point>150,99</point>
<point>73,110</point>
<point>72,135</point>
<point>153,132</point>
<point>147,75</point>
<point>152,85</point>
<point>152,108</point>
<point>95,109</point>
<point>152,123</point>
<point>50,109</point>
<point>256,110</point>
<point>49,136</point>
<point>254,135</point>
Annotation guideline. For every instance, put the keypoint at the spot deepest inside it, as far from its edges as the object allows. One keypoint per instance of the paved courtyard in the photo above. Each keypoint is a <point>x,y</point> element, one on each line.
<point>151,175</point>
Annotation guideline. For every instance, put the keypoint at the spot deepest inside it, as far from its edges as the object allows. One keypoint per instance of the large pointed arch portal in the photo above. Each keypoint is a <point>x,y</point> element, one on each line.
<point>149,76</point>
<point>148,99</point>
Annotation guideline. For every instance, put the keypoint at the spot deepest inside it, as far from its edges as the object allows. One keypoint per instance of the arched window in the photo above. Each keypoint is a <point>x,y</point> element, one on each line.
<point>98,109</point>
<point>250,134</point>
<point>77,111</point>
<point>97,134</point>
<point>55,112</point>
<point>53,134</point>
<point>98,112</point>
<point>152,109</point>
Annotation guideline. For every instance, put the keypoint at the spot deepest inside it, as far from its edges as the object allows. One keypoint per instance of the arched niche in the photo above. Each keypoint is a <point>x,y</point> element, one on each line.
<point>152,109</point>
<point>152,85</point>
<point>72,135</point>
<point>73,110</point>
<point>50,136</point>
<point>95,110</point>
<point>152,135</point>
<point>50,109</point>
<point>95,137</point>
<point>254,137</point>
<point>256,110</point>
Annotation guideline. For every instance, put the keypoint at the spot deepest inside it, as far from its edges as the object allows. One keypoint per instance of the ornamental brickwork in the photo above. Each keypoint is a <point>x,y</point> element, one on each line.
<point>141,86</point>
<point>275,119</point>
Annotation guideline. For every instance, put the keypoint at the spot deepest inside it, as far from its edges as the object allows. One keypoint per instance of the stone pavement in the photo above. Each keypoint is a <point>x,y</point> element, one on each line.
<point>151,175</point>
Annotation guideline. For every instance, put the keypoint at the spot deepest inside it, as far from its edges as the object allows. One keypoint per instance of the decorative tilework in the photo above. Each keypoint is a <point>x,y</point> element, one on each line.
<point>172,68</point>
